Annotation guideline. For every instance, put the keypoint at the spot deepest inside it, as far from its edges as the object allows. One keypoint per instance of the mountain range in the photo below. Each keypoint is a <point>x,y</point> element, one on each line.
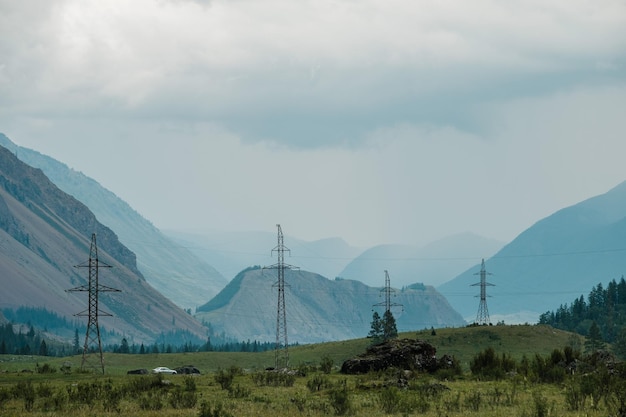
<point>554,261</point>
<point>170,268</point>
<point>432,264</point>
<point>318,309</point>
<point>45,232</point>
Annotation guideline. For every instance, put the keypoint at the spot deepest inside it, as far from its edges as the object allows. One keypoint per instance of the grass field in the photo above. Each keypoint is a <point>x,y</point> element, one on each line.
<point>236,385</point>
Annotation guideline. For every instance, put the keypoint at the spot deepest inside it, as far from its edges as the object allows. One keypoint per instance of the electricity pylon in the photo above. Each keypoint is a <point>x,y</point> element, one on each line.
<point>93,343</point>
<point>281,348</point>
<point>388,291</point>
<point>482,317</point>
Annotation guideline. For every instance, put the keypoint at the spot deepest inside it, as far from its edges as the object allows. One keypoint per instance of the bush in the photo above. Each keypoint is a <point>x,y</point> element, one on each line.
<point>389,400</point>
<point>207,411</point>
<point>183,399</point>
<point>318,383</point>
<point>488,365</point>
<point>224,378</point>
<point>473,401</point>
<point>273,379</point>
<point>239,392</point>
<point>340,399</point>
<point>190,384</point>
<point>326,365</point>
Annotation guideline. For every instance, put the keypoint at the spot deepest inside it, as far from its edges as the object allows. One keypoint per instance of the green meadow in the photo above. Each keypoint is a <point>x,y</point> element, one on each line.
<point>237,384</point>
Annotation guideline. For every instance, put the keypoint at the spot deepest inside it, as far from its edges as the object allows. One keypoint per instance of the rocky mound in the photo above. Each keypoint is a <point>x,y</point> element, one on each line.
<point>398,353</point>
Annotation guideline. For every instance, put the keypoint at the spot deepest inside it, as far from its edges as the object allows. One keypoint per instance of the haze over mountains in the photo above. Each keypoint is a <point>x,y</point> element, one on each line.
<point>551,263</point>
<point>168,267</point>
<point>432,264</point>
<point>318,309</point>
<point>45,232</point>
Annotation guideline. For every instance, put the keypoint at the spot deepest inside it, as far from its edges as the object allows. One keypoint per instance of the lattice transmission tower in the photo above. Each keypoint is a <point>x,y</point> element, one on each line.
<point>281,348</point>
<point>388,291</point>
<point>482,317</point>
<point>92,349</point>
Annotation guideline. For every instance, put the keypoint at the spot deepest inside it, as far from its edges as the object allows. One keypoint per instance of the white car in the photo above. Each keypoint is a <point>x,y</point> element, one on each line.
<point>163,370</point>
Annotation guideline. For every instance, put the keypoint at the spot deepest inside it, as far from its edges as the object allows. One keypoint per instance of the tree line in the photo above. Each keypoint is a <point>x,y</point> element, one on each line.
<point>601,315</point>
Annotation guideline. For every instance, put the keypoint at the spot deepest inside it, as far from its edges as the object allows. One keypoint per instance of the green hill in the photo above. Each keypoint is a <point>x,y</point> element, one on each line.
<point>463,343</point>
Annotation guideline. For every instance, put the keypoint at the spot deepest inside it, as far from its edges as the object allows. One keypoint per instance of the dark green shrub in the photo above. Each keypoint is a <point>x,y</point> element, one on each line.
<point>238,391</point>
<point>24,390</point>
<point>340,399</point>
<point>326,365</point>
<point>318,383</point>
<point>44,390</point>
<point>183,399</point>
<point>206,410</point>
<point>541,406</point>
<point>273,379</point>
<point>5,395</point>
<point>224,378</point>
<point>190,384</point>
<point>389,400</point>
<point>488,365</point>
<point>473,401</point>
<point>152,400</point>
<point>45,369</point>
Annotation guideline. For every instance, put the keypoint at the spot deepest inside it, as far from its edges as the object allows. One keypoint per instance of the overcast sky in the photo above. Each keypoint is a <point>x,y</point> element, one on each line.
<point>388,121</point>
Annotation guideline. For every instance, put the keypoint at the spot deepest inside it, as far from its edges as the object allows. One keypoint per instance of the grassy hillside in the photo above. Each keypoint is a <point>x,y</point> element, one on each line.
<point>463,343</point>
<point>225,391</point>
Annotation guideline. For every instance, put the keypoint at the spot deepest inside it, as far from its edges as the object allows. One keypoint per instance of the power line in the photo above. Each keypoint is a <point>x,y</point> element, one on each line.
<point>482,317</point>
<point>282,344</point>
<point>93,342</point>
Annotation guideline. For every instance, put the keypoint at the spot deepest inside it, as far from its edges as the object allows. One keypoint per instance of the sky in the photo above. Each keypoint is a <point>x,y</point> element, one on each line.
<point>397,121</point>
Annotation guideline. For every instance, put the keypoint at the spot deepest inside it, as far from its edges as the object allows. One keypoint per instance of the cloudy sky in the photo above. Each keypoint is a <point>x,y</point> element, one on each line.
<point>377,121</point>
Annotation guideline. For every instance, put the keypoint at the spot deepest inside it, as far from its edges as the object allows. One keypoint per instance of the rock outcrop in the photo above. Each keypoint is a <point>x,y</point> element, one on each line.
<point>398,353</point>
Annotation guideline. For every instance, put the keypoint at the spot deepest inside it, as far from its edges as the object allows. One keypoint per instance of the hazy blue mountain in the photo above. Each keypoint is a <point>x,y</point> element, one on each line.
<point>45,232</point>
<point>231,252</point>
<point>433,264</point>
<point>168,267</point>
<point>318,309</point>
<point>554,261</point>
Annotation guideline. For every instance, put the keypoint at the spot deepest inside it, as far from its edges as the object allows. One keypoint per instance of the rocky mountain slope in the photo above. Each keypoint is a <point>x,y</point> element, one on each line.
<point>167,266</point>
<point>556,260</point>
<point>318,309</point>
<point>45,232</point>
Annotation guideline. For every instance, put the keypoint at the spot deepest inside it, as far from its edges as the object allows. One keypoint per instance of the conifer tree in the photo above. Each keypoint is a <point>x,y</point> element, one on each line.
<point>390,331</point>
<point>594,340</point>
<point>376,332</point>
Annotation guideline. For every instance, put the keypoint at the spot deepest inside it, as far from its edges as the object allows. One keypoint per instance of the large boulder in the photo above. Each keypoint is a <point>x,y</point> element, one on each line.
<point>187,370</point>
<point>398,353</point>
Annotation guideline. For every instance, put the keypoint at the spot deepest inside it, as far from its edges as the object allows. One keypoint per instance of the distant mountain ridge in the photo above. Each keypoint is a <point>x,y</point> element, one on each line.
<point>45,232</point>
<point>318,309</point>
<point>432,264</point>
<point>557,259</point>
<point>231,252</point>
<point>166,265</point>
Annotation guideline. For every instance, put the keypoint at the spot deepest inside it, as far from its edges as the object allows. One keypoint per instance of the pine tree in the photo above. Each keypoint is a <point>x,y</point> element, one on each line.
<point>390,331</point>
<point>594,340</point>
<point>620,343</point>
<point>43,348</point>
<point>76,343</point>
<point>124,348</point>
<point>376,333</point>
